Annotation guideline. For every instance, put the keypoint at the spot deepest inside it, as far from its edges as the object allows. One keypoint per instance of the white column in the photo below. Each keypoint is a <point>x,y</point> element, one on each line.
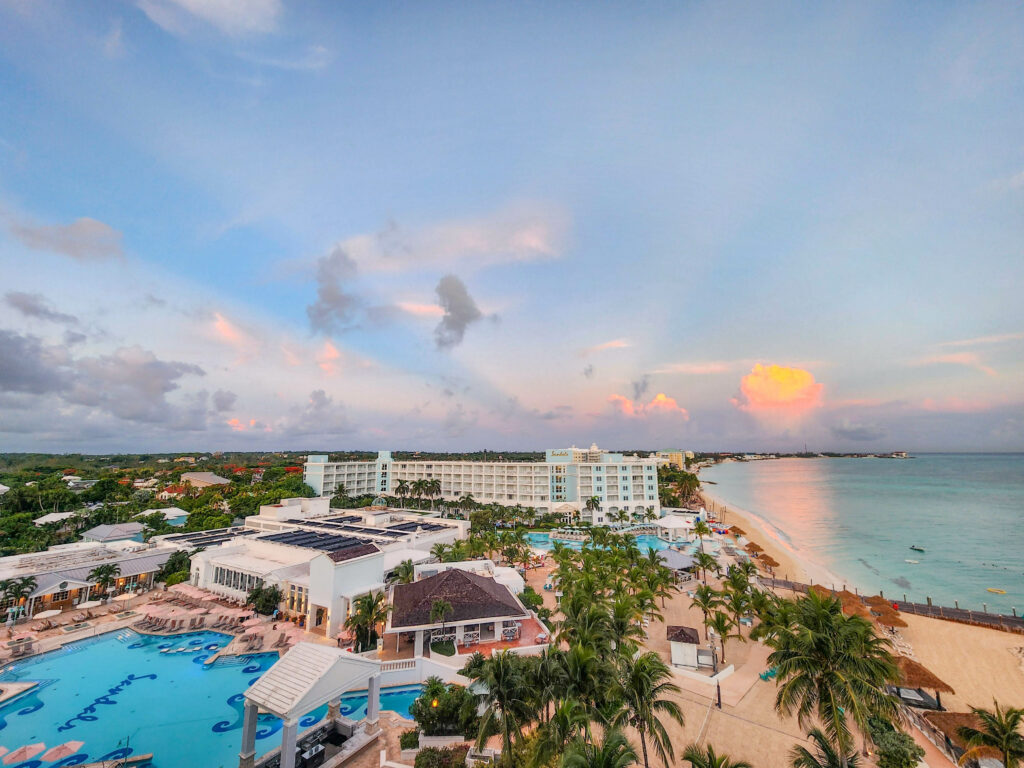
<point>249,723</point>
<point>289,732</point>
<point>372,701</point>
<point>419,643</point>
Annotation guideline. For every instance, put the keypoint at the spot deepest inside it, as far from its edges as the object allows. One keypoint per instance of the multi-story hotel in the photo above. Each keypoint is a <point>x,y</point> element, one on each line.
<point>561,483</point>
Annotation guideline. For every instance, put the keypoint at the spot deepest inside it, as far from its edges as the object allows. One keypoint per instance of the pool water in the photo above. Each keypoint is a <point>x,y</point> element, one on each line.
<point>644,541</point>
<point>120,695</point>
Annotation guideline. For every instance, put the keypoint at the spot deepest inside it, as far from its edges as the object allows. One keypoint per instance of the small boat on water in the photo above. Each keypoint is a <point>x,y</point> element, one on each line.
<point>912,562</point>
<point>917,548</point>
<point>996,591</point>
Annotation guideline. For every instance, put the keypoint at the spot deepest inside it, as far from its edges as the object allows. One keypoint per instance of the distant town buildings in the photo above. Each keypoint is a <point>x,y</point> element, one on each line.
<point>203,479</point>
<point>561,484</point>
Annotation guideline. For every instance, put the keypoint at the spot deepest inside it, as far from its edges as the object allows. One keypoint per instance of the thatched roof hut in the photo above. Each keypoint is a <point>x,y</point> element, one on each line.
<point>913,674</point>
<point>948,724</point>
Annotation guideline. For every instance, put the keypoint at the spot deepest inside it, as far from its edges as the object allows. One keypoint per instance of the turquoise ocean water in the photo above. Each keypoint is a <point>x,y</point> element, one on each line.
<point>858,518</point>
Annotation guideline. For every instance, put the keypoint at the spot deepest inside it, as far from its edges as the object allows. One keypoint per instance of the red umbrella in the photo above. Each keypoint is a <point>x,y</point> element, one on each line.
<point>21,754</point>
<point>67,749</point>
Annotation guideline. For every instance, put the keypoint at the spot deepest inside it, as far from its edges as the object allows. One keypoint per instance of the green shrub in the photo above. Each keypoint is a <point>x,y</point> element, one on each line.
<point>453,713</point>
<point>531,599</point>
<point>409,739</point>
<point>446,757</point>
<point>897,750</point>
<point>447,648</point>
<point>176,578</point>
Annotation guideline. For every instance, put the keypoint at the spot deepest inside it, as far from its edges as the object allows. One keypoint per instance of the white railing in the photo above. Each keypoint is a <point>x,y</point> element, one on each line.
<point>391,666</point>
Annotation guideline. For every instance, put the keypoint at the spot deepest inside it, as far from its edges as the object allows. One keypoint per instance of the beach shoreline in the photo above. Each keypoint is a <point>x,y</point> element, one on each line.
<point>794,565</point>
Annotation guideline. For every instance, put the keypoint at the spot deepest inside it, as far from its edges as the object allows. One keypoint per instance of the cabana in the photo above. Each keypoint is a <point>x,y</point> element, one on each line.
<point>685,646</point>
<point>915,680</point>
<point>674,527</point>
<point>679,563</point>
<point>306,677</point>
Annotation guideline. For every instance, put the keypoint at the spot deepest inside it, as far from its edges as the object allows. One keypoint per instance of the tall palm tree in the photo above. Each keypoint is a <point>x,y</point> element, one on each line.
<point>721,623</point>
<point>613,751</point>
<point>368,612</point>
<point>402,490</point>
<point>569,721</point>
<point>643,683</point>
<point>467,502</point>
<point>707,599</point>
<point>439,550</point>
<point>506,702</point>
<point>439,610</point>
<point>700,530</point>
<point>1000,731</point>
<point>433,490</point>
<point>825,754</point>
<point>706,757</point>
<point>405,573</point>
<point>419,489</point>
<point>706,562</point>
<point>834,668</point>
<point>104,575</point>
<point>593,504</point>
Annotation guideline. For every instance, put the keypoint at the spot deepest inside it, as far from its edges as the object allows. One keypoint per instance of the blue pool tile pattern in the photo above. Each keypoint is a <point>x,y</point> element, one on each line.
<point>124,693</point>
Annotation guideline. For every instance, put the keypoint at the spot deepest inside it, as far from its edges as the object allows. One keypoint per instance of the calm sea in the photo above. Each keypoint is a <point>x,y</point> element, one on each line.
<point>858,518</point>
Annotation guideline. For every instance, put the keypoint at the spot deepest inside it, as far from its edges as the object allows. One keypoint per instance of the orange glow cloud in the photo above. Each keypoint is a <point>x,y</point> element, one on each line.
<point>661,403</point>
<point>779,389</point>
<point>327,358</point>
<point>227,331</point>
<point>613,344</point>
<point>242,426</point>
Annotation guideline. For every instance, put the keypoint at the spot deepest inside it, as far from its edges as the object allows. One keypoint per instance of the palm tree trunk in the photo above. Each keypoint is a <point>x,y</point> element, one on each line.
<point>643,746</point>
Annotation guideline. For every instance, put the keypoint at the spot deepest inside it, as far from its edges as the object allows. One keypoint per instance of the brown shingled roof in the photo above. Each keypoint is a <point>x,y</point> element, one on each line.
<point>340,555</point>
<point>680,634</point>
<point>471,596</point>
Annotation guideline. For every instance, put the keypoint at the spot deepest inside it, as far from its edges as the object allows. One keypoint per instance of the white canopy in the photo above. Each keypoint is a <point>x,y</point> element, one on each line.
<point>674,522</point>
<point>306,677</point>
<point>47,614</point>
<point>90,604</point>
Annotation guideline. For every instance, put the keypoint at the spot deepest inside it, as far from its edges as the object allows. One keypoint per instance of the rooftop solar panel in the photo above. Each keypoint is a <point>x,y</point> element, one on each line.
<point>326,542</point>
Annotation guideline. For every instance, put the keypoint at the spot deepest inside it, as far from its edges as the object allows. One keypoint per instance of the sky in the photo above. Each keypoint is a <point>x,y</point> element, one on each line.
<point>259,224</point>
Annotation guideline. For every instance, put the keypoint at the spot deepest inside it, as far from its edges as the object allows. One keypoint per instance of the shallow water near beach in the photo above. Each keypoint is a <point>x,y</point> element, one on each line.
<point>859,517</point>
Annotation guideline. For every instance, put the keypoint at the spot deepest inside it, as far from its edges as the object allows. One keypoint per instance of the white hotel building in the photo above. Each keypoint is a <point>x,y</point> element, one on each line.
<point>561,483</point>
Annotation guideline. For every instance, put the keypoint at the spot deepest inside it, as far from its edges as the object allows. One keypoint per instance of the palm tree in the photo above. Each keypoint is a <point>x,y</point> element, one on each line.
<point>419,488</point>
<point>506,699</point>
<point>17,590</point>
<point>834,668</point>
<point>104,575</point>
<point>707,599</point>
<point>439,610</point>
<point>569,721</point>
<point>439,550</point>
<point>824,755</point>
<point>700,530</point>
<point>432,489</point>
<point>643,681</point>
<point>405,572</point>
<point>593,504</point>
<point>368,612</point>
<point>999,731</point>
<point>721,623</point>
<point>706,562</point>
<point>402,489</point>
<point>467,502</point>
<point>705,757</point>
<point>613,751</point>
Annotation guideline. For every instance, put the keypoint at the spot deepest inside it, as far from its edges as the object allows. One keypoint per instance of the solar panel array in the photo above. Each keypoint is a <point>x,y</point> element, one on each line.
<point>342,519</point>
<point>325,542</point>
<point>325,525</point>
<point>427,527</point>
<point>209,538</point>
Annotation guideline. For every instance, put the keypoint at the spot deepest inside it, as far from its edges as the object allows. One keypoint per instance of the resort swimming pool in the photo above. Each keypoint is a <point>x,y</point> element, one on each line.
<point>120,695</point>
<point>644,541</point>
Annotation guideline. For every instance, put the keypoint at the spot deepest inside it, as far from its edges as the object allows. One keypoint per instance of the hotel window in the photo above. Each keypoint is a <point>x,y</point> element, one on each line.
<point>56,596</point>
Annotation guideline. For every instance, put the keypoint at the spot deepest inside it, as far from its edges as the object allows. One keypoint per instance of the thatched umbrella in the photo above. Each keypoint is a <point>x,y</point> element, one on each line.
<point>753,547</point>
<point>888,617</point>
<point>913,674</point>
<point>821,591</point>
<point>876,601</point>
<point>737,530</point>
<point>851,608</point>
<point>769,561</point>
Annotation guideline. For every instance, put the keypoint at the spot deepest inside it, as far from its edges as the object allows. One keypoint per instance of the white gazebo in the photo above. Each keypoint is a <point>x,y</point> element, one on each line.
<point>674,527</point>
<point>306,677</point>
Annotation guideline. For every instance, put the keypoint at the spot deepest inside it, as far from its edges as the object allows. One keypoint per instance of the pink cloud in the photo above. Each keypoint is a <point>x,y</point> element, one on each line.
<point>779,389</point>
<point>421,310</point>
<point>613,344</point>
<point>661,403</point>
<point>328,358</point>
<point>698,369</point>
<point>965,359</point>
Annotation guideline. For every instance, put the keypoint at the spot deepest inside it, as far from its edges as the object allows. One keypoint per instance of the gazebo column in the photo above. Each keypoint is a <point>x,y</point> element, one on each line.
<point>419,643</point>
<point>372,701</point>
<point>289,734</point>
<point>333,709</point>
<point>249,723</point>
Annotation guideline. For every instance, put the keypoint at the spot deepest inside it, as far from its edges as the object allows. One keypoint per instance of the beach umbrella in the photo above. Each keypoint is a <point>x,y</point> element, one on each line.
<point>821,591</point>
<point>21,754</point>
<point>877,601</point>
<point>48,614</point>
<point>252,631</point>
<point>888,618</point>
<point>754,547</point>
<point>67,749</point>
<point>769,561</point>
<point>90,604</point>
<point>254,622</point>
<point>125,597</point>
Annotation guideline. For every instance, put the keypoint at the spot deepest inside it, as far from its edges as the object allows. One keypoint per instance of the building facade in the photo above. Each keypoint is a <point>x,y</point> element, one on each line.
<point>561,484</point>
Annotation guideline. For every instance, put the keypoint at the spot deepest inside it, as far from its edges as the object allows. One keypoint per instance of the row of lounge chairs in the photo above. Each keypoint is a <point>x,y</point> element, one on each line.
<point>44,624</point>
<point>171,625</point>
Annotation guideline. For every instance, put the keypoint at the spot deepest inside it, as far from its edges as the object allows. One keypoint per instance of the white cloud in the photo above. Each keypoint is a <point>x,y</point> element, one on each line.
<point>232,17</point>
<point>84,239</point>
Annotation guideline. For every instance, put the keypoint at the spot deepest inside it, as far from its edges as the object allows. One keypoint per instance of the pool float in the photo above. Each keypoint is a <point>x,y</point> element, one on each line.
<point>997,591</point>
